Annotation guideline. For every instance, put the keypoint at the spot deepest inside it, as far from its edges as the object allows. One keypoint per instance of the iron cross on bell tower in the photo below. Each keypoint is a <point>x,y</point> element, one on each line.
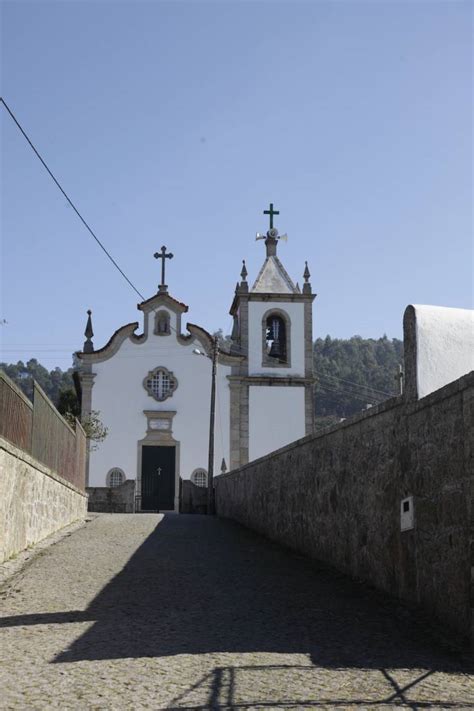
<point>163,256</point>
<point>271,237</point>
<point>271,212</point>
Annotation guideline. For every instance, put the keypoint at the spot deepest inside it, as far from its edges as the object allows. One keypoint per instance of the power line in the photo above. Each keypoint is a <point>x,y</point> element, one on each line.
<point>344,394</point>
<point>351,382</point>
<point>374,392</point>
<point>23,132</point>
<point>349,389</point>
<point>86,225</point>
<point>353,395</point>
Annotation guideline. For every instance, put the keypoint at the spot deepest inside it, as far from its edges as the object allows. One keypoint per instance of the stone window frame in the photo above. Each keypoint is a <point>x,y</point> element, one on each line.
<point>268,362</point>
<point>161,315</point>
<point>196,472</point>
<point>153,373</point>
<point>108,477</point>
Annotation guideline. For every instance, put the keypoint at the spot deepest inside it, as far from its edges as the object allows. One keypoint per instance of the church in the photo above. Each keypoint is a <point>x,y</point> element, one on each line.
<point>152,389</point>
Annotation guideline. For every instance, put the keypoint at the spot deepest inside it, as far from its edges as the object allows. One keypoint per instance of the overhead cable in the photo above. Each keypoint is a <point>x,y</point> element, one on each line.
<point>56,181</point>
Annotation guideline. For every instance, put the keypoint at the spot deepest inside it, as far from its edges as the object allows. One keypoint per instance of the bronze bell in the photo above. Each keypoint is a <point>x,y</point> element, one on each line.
<point>275,350</point>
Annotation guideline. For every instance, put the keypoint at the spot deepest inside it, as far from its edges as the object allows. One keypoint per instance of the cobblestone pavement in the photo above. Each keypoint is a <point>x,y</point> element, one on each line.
<point>191,612</point>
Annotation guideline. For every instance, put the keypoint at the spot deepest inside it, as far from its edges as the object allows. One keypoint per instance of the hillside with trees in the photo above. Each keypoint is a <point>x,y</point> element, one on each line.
<point>351,374</point>
<point>354,373</point>
<point>53,382</point>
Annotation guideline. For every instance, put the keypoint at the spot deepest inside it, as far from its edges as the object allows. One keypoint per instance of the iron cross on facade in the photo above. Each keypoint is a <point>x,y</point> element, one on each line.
<point>271,212</point>
<point>163,256</point>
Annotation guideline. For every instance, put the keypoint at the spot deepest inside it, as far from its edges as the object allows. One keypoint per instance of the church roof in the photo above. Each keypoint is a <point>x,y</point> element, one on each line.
<point>273,279</point>
<point>162,297</point>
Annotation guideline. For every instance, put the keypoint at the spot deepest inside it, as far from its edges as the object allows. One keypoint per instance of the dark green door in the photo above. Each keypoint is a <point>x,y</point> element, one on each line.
<point>158,476</point>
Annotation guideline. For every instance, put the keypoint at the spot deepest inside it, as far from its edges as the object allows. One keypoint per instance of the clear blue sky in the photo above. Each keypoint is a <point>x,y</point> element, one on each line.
<point>178,122</point>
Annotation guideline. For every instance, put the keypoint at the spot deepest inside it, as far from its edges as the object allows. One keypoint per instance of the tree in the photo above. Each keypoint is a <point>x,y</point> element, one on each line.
<point>68,403</point>
<point>52,382</point>
<point>68,406</point>
<point>94,428</point>
<point>353,373</point>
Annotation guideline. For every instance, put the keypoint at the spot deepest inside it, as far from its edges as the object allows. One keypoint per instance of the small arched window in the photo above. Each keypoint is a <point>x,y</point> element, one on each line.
<point>115,477</point>
<point>162,324</point>
<point>199,477</point>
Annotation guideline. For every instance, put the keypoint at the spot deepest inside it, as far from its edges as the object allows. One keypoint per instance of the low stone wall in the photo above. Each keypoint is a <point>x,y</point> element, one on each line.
<point>34,501</point>
<point>336,497</point>
<point>193,498</point>
<point>115,499</point>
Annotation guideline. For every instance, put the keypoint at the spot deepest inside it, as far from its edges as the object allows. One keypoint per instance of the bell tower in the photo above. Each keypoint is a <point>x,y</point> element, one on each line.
<point>272,388</point>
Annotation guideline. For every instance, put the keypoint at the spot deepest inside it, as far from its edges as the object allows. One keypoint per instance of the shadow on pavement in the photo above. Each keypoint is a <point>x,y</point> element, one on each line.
<point>201,584</point>
<point>220,690</point>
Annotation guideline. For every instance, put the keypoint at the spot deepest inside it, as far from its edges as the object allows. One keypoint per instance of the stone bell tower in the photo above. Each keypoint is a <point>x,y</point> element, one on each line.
<point>272,389</point>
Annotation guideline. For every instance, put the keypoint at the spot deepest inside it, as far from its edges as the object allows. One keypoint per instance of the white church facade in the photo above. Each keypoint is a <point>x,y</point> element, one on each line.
<point>152,389</point>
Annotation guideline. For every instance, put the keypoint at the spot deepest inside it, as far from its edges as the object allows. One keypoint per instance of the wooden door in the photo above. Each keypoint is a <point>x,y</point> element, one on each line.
<point>158,478</point>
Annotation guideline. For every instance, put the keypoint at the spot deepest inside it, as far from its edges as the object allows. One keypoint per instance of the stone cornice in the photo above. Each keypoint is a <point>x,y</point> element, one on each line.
<point>284,298</point>
<point>269,380</point>
<point>162,299</point>
<point>113,344</point>
<point>281,297</point>
<point>195,333</point>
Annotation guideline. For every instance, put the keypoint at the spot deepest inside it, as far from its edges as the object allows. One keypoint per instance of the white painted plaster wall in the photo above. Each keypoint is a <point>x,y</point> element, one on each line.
<point>295,311</point>
<point>276,418</point>
<point>119,395</point>
<point>445,346</point>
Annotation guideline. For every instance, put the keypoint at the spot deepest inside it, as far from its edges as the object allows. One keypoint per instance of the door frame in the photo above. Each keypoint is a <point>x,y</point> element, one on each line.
<point>162,437</point>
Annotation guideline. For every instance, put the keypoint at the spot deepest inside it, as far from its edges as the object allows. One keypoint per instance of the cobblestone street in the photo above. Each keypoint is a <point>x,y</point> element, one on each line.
<point>191,612</point>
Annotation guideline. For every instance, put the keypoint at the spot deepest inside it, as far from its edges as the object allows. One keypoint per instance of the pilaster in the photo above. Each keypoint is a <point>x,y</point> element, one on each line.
<point>239,390</point>
<point>309,408</point>
<point>244,330</point>
<point>308,363</point>
<point>244,424</point>
<point>239,422</point>
<point>86,377</point>
<point>234,387</point>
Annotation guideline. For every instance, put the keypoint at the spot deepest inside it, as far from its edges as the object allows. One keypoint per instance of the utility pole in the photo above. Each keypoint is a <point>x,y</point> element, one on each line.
<point>210,467</point>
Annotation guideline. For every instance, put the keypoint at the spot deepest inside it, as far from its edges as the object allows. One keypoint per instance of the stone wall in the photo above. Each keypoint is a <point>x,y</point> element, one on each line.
<point>116,499</point>
<point>193,498</point>
<point>336,497</point>
<point>34,501</point>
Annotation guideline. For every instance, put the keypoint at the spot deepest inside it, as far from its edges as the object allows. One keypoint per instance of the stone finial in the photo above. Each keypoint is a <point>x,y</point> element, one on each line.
<point>244,272</point>
<point>88,333</point>
<point>306,276</point>
<point>223,466</point>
